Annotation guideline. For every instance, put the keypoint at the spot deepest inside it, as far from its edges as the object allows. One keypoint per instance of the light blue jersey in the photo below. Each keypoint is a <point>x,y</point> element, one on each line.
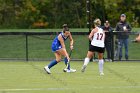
<point>56,45</point>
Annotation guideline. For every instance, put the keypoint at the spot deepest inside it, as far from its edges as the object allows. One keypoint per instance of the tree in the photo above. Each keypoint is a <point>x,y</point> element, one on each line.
<point>6,13</point>
<point>54,13</point>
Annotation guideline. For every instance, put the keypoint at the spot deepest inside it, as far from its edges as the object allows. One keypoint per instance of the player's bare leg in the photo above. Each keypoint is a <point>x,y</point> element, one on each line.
<point>69,69</point>
<point>53,63</point>
<point>101,63</point>
<point>87,59</point>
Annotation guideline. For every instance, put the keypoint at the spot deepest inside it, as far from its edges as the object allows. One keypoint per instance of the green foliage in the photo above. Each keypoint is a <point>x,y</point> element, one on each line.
<point>54,13</point>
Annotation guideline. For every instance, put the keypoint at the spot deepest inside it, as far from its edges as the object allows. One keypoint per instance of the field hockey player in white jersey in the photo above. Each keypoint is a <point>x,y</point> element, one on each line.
<point>97,37</point>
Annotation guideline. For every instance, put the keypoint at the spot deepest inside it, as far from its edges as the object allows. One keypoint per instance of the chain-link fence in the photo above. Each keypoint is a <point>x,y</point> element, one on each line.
<point>37,46</point>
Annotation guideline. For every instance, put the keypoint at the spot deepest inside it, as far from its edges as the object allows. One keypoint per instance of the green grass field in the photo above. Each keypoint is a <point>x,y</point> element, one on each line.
<point>29,77</point>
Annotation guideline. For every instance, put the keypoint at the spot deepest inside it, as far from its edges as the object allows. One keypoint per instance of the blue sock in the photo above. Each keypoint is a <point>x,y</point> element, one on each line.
<point>54,62</point>
<point>66,60</point>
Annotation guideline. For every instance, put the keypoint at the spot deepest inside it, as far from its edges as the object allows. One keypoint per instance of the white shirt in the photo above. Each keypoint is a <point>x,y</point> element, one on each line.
<point>98,38</point>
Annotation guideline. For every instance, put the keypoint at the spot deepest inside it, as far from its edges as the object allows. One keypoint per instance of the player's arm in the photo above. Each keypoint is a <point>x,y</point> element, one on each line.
<point>92,34</point>
<point>61,41</point>
<point>138,38</point>
<point>71,41</point>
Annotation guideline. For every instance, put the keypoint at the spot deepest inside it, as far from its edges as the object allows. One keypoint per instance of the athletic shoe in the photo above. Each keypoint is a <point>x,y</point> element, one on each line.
<point>71,70</point>
<point>101,74</point>
<point>83,68</point>
<point>64,70</point>
<point>47,70</point>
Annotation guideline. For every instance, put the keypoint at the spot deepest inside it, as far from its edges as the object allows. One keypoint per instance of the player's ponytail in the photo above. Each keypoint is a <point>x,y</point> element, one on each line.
<point>97,22</point>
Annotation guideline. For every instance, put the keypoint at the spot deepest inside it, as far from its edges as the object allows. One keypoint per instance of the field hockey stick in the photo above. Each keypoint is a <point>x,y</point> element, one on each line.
<point>68,61</point>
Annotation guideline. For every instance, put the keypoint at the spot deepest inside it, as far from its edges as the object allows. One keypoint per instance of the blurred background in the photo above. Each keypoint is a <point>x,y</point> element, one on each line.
<point>53,13</point>
<point>29,16</point>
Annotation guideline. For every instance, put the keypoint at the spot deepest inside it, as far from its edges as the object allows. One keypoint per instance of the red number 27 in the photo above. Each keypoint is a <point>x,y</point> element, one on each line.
<point>99,36</point>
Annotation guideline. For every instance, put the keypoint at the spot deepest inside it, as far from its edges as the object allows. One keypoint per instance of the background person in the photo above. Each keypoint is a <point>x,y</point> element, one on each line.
<point>108,39</point>
<point>122,38</point>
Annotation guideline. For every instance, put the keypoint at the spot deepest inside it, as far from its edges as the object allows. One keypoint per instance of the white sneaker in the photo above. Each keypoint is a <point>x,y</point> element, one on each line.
<point>101,74</point>
<point>71,70</point>
<point>47,70</point>
<point>65,70</point>
<point>83,68</point>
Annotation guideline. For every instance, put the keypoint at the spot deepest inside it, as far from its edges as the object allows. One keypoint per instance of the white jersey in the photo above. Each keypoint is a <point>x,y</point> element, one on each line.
<point>98,38</point>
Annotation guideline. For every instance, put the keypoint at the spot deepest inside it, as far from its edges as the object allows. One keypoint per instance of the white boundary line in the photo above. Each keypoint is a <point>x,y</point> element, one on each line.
<point>54,89</point>
<point>32,89</point>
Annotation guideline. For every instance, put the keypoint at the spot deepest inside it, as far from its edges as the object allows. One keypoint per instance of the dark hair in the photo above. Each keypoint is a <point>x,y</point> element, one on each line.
<point>65,29</point>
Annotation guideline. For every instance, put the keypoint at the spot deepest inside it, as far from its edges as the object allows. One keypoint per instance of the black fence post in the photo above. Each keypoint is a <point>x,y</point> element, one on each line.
<point>26,47</point>
<point>88,20</point>
<point>112,46</point>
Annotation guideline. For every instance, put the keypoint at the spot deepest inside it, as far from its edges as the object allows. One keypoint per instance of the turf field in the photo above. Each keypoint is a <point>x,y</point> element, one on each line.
<point>29,77</point>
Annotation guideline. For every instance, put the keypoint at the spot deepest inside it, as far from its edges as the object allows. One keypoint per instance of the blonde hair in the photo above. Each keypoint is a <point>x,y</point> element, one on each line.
<point>97,22</point>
